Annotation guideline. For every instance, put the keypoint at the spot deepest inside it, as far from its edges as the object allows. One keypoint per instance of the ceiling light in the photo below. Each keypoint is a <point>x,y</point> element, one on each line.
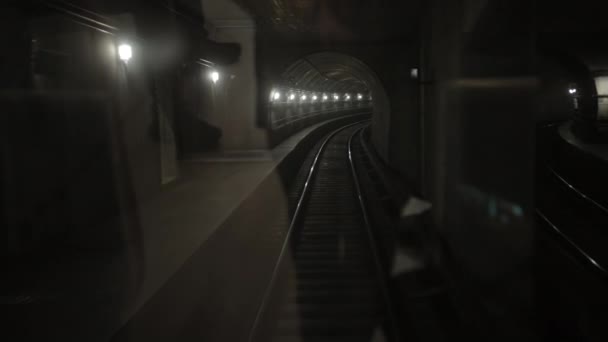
<point>214,76</point>
<point>125,52</point>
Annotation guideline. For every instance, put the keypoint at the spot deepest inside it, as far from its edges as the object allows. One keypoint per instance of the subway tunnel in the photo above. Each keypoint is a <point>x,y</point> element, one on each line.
<point>304,170</point>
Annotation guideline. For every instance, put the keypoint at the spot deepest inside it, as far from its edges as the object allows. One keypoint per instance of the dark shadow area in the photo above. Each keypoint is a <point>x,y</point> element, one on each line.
<point>154,153</point>
<point>571,216</point>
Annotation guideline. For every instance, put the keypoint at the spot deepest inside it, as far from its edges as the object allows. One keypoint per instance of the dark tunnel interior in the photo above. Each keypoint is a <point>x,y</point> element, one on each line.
<point>304,170</point>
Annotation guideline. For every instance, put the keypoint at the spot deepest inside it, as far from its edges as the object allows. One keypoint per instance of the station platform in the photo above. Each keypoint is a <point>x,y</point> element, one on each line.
<point>208,247</point>
<point>202,256</point>
<point>210,188</point>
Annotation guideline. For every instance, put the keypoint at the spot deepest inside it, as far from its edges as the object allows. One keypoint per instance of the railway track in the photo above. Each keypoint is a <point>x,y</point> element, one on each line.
<point>328,284</point>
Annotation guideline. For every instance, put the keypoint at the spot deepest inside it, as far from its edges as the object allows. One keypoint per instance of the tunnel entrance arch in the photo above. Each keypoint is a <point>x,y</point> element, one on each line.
<point>341,81</point>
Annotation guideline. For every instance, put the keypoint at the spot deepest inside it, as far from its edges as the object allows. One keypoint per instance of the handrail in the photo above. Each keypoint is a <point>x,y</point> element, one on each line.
<point>368,227</point>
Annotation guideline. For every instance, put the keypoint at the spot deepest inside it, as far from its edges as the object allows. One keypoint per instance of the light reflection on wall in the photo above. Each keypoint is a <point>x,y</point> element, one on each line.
<point>601,84</point>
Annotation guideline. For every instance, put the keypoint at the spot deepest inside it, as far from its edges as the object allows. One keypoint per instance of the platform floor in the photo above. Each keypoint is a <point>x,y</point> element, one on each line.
<point>210,188</point>
<point>181,274</point>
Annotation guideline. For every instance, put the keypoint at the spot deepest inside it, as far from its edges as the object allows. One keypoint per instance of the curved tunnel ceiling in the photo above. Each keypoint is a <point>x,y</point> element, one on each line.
<point>330,72</point>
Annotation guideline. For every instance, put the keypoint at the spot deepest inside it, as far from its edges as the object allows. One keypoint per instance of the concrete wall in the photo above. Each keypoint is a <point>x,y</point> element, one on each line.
<point>478,138</point>
<point>403,128</point>
<point>92,162</point>
<point>236,93</point>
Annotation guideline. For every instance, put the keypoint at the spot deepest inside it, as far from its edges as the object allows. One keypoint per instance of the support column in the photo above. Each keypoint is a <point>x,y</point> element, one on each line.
<point>235,93</point>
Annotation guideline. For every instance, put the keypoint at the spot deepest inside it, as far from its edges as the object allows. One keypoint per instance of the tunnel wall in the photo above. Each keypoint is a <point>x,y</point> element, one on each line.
<point>395,94</point>
<point>288,119</point>
<point>300,77</point>
<point>236,94</point>
<point>402,148</point>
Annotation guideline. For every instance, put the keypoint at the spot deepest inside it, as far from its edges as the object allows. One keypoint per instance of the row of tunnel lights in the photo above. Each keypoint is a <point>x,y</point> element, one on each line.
<point>276,96</point>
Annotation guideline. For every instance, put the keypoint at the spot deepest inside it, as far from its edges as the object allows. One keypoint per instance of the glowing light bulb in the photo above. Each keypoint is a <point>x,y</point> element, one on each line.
<point>414,73</point>
<point>214,76</point>
<point>125,52</point>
